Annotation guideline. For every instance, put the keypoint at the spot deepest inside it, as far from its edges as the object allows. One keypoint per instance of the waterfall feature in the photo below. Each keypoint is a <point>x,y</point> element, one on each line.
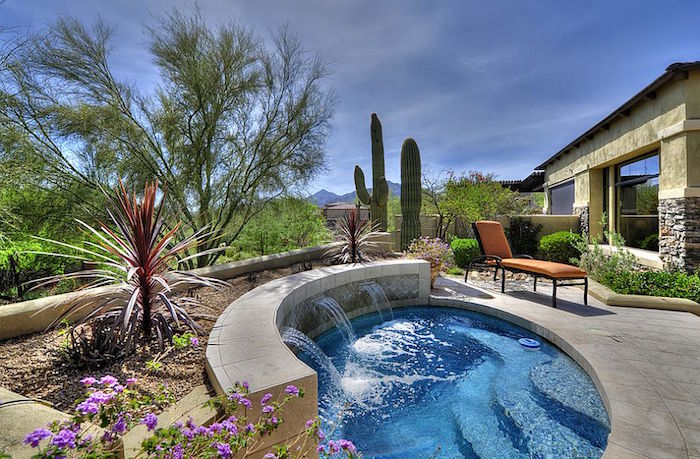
<point>336,314</point>
<point>379,300</point>
<point>297,339</point>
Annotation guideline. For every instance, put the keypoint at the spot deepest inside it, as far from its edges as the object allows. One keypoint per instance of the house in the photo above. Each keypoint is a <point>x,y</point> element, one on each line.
<point>334,211</point>
<point>640,166</point>
<point>530,187</point>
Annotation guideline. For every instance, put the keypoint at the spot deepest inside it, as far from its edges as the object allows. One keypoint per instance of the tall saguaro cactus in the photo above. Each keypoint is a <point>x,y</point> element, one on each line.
<point>411,194</point>
<point>380,189</point>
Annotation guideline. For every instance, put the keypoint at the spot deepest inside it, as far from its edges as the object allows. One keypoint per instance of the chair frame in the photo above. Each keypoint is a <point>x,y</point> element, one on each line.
<point>482,261</point>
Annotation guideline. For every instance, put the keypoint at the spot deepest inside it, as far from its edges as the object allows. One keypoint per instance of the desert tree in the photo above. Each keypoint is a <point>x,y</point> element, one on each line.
<point>434,193</point>
<point>231,125</point>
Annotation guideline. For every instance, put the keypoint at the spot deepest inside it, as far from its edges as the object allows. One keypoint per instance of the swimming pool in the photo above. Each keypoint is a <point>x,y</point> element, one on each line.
<point>446,383</point>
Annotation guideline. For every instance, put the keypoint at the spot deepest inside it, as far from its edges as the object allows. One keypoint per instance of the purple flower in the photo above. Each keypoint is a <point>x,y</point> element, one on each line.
<point>250,428</point>
<point>118,388</point>
<point>292,390</point>
<point>194,341</point>
<point>150,421</point>
<point>64,439</point>
<point>131,381</point>
<point>88,381</point>
<point>309,423</point>
<point>108,381</point>
<point>274,420</point>
<point>178,452</point>
<point>224,450</point>
<point>230,427</point>
<point>347,445</point>
<point>87,407</point>
<point>245,384</point>
<point>268,409</point>
<point>35,437</point>
<point>119,427</point>
<point>265,398</point>
<point>270,456</point>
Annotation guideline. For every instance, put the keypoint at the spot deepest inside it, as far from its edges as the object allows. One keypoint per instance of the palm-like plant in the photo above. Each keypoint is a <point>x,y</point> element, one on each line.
<point>138,257</point>
<point>355,235</point>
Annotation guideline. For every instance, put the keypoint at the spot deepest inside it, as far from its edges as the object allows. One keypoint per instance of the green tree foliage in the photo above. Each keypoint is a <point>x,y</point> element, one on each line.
<point>435,201</point>
<point>478,196</point>
<point>235,121</point>
<point>285,224</point>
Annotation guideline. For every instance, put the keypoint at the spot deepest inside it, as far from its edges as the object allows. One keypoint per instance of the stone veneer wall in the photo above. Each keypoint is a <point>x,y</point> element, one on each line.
<point>679,233</point>
<point>584,216</point>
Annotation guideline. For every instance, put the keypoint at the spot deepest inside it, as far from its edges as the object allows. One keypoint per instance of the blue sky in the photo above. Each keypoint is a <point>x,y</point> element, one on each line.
<point>494,86</point>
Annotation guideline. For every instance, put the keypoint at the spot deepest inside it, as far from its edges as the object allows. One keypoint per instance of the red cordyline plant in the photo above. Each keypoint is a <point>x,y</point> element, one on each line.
<point>354,233</point>
<point>137,275</point>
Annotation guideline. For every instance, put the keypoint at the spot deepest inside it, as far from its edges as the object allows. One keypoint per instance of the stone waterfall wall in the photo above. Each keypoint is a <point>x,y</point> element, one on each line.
<point>679,233</point>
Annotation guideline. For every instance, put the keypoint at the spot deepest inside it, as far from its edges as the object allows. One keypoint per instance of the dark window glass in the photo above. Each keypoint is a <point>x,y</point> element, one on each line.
<point>638,202</point>
<point>563,199</point>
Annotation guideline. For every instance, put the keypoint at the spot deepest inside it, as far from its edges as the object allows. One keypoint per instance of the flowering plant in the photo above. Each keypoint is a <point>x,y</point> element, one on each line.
<point>116,408</point>
<point>109,404</point>
<point>436,251</point>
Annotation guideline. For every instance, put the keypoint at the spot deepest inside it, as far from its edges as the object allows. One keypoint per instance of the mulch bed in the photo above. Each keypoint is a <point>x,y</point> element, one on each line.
<point>34,365</point>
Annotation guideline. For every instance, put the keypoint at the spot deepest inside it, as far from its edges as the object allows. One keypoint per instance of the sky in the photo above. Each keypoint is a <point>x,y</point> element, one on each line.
<point>494,86</point>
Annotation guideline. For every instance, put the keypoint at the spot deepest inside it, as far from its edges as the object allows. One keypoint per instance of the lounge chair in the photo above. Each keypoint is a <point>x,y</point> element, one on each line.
<point>496,253</point>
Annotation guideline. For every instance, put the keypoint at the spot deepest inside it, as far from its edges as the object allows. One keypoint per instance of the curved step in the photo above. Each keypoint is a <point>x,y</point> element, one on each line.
<point>513,394</point>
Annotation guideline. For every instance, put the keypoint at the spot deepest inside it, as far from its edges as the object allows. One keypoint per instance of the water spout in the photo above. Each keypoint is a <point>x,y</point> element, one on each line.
<point>336,314</point>
<point>380,302</point>
<point>304,344</point>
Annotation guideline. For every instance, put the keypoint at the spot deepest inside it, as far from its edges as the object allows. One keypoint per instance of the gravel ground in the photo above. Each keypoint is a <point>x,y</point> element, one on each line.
<point>35,367</point>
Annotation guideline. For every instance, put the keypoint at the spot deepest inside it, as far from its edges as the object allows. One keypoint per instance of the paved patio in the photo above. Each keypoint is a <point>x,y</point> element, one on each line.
<point>646,362</point>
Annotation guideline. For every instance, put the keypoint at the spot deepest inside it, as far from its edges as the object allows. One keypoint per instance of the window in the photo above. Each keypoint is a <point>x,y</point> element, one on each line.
<point>563,198</point>
<point>638,202</point>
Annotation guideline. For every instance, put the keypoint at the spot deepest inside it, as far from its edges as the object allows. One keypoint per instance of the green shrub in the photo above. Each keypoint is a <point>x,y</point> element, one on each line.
<point>465,250</point>
<point>455,271</point>
<point>561,246</point>
<point>602,266</point>
<point>522,236</point>
<point>656,283</point>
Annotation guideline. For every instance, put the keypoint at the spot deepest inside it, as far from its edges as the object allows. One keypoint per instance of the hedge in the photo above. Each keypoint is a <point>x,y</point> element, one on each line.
<point>464,250</point>
<point>560,246</point>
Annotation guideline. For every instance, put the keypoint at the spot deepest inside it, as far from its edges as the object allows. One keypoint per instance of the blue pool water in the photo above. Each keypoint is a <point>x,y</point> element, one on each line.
<point>447,383</point>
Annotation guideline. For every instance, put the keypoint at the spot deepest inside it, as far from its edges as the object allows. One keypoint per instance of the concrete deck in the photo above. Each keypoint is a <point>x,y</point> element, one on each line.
<point>645,362</point>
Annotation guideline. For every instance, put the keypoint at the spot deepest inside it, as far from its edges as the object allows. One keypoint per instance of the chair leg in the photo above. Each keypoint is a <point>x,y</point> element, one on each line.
<point>534,285</point>
<point>495,273</point>
<point>466,275</point>
<point>554,293</point>
<point>503,280</point>
<point>585,291</point>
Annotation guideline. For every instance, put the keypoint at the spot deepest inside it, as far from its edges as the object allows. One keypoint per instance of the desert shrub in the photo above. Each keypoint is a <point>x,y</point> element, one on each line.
<point>464,250</point>
<point>656,283</point>
<point>25,260</point>
<point>355,236</point>
<point>522,236</point>
<point>455,271</point>
<point>562,246</point>
<point>604,267</point>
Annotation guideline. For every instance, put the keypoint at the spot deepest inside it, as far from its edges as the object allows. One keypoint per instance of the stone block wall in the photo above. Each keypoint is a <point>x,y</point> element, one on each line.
<point>679,233</point>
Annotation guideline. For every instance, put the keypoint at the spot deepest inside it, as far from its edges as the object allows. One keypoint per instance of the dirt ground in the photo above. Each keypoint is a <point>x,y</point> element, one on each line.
<point>36,367</point>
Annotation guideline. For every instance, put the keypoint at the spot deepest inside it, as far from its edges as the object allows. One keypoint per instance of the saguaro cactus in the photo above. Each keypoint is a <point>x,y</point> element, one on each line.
<point>411,194</point>
<point>380,189</point>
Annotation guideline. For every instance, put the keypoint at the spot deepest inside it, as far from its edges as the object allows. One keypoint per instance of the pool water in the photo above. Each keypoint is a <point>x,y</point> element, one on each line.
<point>447,383</point>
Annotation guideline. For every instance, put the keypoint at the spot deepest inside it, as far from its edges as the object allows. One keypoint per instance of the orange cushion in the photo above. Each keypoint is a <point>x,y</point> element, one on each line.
<point>548,268</point>
<point>493,239</point>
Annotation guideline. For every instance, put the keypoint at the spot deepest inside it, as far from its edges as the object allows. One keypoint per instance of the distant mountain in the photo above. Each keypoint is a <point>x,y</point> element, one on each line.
<point>323,197</point>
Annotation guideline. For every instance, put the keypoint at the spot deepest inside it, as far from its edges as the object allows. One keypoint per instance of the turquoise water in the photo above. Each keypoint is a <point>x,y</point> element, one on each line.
<point>447,383</point>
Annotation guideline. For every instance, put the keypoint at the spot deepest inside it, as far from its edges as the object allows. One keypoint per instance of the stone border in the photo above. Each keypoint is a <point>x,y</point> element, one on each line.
<point>612,298</point>
<point>27,317</point>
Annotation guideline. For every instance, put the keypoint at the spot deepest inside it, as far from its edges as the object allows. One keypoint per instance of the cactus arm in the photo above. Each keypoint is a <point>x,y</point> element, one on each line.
<point>362,193</point>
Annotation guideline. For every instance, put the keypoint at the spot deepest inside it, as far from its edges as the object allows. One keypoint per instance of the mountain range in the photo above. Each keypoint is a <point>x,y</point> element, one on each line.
<point>323,197</point>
